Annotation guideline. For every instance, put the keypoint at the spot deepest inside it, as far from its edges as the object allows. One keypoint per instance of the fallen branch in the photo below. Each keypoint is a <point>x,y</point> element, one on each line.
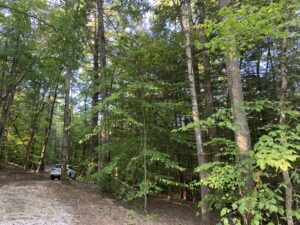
<point>14,164</point>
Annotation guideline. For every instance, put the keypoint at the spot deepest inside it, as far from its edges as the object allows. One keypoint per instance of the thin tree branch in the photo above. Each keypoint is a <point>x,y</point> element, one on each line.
<point>29,15</point>
<point>19,135</point>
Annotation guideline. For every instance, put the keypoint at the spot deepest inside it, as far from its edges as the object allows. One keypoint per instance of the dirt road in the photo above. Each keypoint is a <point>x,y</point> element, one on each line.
<point>31,199</point>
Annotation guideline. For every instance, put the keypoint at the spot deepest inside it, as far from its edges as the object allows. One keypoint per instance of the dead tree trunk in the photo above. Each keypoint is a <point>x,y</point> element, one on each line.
<point>185,6</point>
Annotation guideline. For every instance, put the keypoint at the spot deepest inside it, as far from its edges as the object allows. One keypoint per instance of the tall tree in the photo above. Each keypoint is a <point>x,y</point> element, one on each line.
<point>16,60</point>
<point>207,74</point>
<point>36,116</point>
<point>242,132</point>
<point>96,81</point>
<point>186,16</point>
<point>47,131</point>
<point>100,91</point>
<point>69,62</point>
<point>282,121</point>
<point>67,116</point>
<point>104,91</point>
<point>75,12</point>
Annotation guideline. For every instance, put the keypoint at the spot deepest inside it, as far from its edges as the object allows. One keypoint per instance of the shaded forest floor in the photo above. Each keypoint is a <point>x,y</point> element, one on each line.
<point>33,199</point>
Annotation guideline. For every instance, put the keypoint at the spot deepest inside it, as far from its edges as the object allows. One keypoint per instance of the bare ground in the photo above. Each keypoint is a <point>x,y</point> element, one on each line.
<point>33,199</point>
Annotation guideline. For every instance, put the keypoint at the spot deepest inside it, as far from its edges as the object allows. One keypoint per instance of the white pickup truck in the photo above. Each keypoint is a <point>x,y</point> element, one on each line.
<point>56,172</point>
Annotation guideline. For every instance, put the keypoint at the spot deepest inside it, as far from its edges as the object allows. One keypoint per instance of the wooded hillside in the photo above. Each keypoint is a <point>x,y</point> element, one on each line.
<point>196,100</point>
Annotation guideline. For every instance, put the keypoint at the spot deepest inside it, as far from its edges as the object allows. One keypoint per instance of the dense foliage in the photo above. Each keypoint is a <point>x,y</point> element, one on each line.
<point>106,86</point>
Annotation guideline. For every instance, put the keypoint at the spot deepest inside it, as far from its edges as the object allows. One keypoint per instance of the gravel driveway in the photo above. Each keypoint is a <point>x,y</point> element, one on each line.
<point>30,204</point>
<point>33,199</point>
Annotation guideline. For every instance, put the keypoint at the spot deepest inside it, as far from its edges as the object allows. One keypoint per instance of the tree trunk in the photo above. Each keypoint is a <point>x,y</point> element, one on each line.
<point>67,118</point>
<point>47,132</point>
<point>101,32</point>
<point>144,149</point>
<point>10,95</point>
<point>30,143</point>
<point>242,133</point>
<point>33,129</point>
<point>185,5</point>
<point>96,92</point>
<point>282,98</point>
<point>102,58</point>
<point>5,112</point>
<point>208,88</point>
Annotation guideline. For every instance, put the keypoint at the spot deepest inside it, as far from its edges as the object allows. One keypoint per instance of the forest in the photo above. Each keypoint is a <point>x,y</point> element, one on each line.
<point>197,100</point>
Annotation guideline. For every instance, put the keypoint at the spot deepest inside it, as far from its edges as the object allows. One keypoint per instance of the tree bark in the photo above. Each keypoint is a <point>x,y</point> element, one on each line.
<point>102,61</point>
<point>185,5</point>
<point>5,112</point>
<point>101,33</point>
<point>96,92</point>
<point>34,127</point>
<point>9,99</point>
<point>144,150</point>
<point>31,141</point>
<point>282,120</point>
<point>242,133</point>
<point>67,118</point>
<point>208,87</point>
<point>47,131</point>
